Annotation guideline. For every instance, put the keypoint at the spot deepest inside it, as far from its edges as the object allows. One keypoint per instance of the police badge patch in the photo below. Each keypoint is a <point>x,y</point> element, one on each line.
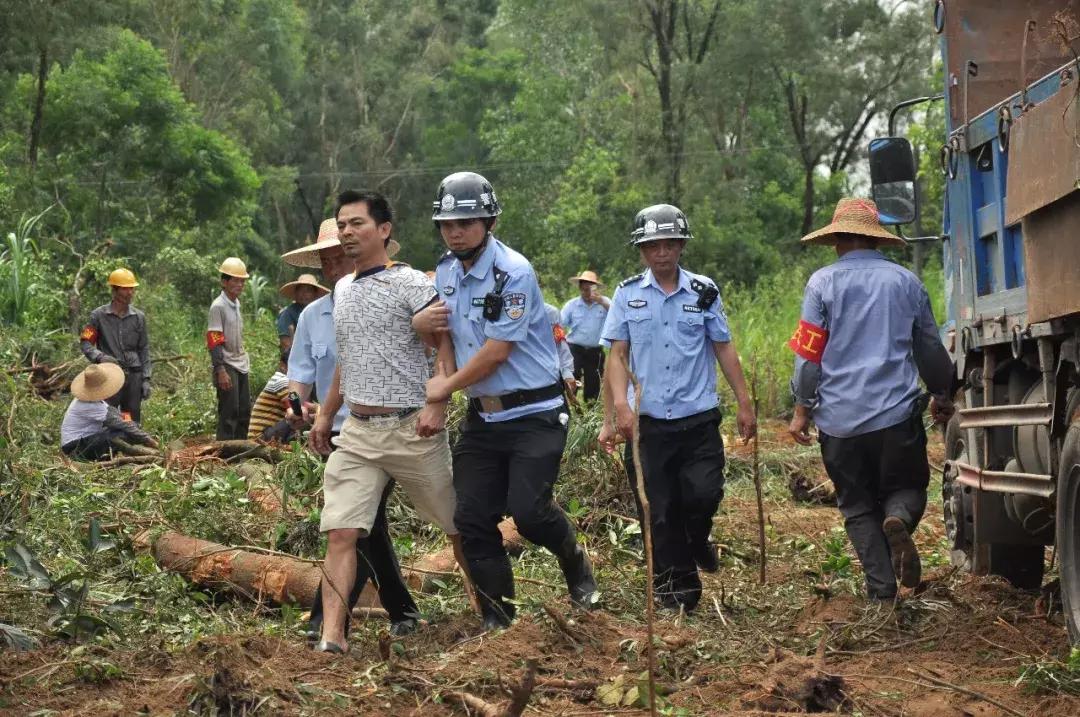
<point>449,290</point>
<point>514,305</point>
<point>448,202</point>
<point>637,303</point>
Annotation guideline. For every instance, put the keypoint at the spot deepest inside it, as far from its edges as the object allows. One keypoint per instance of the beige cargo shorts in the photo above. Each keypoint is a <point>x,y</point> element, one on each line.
<point>372,452</point>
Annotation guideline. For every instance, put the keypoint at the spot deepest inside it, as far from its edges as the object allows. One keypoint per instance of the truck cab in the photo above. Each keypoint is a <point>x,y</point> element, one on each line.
<point>1011,258</point>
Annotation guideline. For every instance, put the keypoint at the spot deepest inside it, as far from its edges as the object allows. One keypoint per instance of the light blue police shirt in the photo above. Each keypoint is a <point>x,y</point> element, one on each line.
<point>671,343</point>
<point>881,337</point>
<point>533,362</point>
<point>313,356</point>
<point>583,322</point>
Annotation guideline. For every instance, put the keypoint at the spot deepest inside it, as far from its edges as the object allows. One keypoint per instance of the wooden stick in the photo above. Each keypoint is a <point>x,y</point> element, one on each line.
<point>646,531</point>
<point>522,693</point>
<point>757,486</point>
<point>965,691</point>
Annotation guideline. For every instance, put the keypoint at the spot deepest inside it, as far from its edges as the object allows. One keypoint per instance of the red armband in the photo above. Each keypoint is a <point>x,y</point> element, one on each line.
<point>809,341</point>
<point>558,332</point>
<point>214,339</point>
<point>89,333</point>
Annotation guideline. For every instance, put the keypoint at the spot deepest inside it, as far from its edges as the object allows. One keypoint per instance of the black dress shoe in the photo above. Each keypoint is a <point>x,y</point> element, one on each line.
<point>401,628</point>
<point>707,557</point>
<point>331,647</point>
<point>494,621</point>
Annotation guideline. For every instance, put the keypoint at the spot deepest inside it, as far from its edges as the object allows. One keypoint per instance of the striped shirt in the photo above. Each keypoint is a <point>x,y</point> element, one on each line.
<point>269,407</point>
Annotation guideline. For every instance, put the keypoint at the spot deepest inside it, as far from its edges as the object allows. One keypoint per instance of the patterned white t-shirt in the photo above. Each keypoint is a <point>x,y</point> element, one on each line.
<point>382,360</point>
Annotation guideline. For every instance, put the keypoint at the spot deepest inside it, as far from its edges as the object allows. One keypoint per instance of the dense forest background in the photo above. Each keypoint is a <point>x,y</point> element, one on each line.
<point>168,134</point>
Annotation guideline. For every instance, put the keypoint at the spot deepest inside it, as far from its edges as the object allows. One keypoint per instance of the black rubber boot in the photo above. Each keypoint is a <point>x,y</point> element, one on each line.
<point>707,557</point>
<point>579,576</point>
<point>494,582</point>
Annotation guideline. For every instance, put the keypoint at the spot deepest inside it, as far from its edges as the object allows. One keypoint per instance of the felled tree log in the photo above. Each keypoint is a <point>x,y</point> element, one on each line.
<point>278,578</point>
<point>273,578</point>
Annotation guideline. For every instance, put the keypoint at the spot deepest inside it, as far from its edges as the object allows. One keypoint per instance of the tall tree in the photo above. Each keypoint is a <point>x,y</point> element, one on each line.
<point>840,64</point>
<point>37,34</point>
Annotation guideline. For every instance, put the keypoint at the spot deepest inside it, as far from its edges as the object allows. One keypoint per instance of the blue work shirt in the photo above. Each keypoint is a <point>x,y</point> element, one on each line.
<point>287,319</point>
<point>877,336</point>
<point>533,362</point>
<point>671,343</point>
<point>583,322</point>
<point>313,356</point>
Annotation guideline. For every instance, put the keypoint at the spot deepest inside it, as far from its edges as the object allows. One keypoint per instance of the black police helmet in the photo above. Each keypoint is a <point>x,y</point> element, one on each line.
<point>465,195</point>
<point>660,221</point>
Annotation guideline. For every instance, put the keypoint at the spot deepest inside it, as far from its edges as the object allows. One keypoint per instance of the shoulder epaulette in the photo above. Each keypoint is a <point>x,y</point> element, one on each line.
<point>631,280</point>
<point>444,257</point>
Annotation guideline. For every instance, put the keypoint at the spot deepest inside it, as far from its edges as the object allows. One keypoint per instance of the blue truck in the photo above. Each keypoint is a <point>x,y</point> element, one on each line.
<point>1011,258</point>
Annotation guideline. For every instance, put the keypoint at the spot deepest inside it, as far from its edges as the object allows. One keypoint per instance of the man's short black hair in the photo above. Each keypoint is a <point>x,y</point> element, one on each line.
<point>225,277</point>
<point>378,206</point>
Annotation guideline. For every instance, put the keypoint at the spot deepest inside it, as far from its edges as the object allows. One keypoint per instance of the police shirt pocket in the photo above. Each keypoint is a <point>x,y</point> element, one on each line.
<point>318,351</point>
<point>640,329</point>
<point>690,330</point>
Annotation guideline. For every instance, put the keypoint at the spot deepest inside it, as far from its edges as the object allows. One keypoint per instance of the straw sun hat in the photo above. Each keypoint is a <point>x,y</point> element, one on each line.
<point>854,216</point>
<point>308,256</point>
<point>289,290</point>
<point>98,381</point>
<point>589,276</point>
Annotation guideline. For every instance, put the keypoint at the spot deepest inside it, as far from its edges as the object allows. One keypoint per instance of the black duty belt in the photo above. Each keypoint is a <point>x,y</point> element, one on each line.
<point>400,413</point>
<point>492,404</point>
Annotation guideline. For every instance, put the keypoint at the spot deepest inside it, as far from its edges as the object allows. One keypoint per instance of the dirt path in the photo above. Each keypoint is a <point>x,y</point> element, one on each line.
<point>956,647</point>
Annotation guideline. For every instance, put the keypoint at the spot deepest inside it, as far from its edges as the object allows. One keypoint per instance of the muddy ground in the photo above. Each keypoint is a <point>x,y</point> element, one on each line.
<point>805,641</point>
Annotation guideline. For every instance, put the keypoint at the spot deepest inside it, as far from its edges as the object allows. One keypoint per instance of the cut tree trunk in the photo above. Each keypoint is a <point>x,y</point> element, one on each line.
<point>280,578</point>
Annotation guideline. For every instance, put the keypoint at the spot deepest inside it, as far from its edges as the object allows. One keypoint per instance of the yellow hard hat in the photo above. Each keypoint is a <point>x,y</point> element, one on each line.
<point>234,267</point>
<point>123,278</point>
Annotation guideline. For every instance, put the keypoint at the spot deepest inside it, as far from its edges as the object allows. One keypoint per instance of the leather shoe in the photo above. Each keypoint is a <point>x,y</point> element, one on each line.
<point>579,578</point>
<point>401,628</point>
<point>707,557</point>
<point>331,647</point>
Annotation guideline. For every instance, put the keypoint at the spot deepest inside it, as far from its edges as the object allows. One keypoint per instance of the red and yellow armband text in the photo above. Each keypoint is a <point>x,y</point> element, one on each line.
<point>809,341</point>
<point>214,339</point>
<point>89,333</point>
<point>558,332</point>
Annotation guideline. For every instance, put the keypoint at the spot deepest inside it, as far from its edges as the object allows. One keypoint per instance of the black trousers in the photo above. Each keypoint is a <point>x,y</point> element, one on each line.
<point>508,467</point>
<point>95,447</point>
<point>129,398</point>
<point>375,561</point>
<point>588,368</point>
<point>234,407</point>
<point>879,474</point>
<point>684,482</point>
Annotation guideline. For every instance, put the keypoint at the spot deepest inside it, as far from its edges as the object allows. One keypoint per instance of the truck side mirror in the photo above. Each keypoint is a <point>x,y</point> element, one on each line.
<point>892,180</point>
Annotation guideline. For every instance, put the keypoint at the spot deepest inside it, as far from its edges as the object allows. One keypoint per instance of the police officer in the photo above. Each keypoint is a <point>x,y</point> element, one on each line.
<point>507,456</point>
<point>116,333</point>
<point>669,325</point>
<point>865,336</point>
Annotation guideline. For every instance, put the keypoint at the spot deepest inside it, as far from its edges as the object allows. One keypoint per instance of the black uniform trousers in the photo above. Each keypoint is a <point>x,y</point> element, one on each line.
<point>234,407</point>
<point>684,482</point>
<point>95,447</point>
<point>508,467</point>
<point>878,474</point>
<point>588,368</point>
<point>375,561</point>
<point>129,398</point>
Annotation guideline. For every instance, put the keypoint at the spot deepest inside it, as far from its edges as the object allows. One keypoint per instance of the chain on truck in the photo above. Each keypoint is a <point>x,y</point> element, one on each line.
<point>1011,257</point>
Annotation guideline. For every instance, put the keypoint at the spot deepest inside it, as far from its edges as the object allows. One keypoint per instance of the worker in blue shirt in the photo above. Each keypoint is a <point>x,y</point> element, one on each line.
<point>866,335</point>
<point>583,318</point>
<point>312,361</point>
<point>668,325</point>
<point>507,456</point>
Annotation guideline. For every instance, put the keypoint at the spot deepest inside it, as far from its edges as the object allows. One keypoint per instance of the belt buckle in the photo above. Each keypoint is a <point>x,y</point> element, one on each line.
<point>491,404</point>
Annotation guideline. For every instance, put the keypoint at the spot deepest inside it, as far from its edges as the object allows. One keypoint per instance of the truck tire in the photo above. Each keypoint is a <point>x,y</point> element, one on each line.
<point>1068,529</point>
<point>956,499</point>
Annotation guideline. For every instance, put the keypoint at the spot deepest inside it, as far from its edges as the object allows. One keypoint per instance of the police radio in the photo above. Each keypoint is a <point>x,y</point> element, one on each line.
<point>493,300</point>
<point>707,293</point>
